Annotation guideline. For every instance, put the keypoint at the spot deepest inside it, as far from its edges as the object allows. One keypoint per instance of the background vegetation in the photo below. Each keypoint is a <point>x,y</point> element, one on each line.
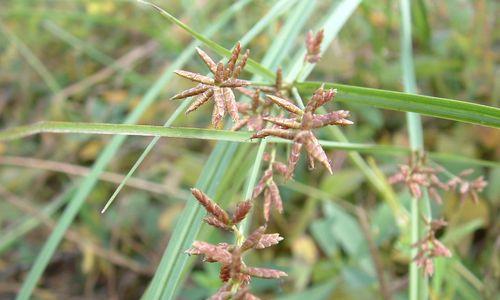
<point>112,62</point>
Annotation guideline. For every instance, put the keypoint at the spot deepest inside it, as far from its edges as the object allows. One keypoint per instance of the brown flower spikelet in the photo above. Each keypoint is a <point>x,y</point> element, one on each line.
<point>218,88</point>
<point>253,239</point>
<point>299,127</point>
<point>241,211</point>
<point>212,253</point>
<point>313,45</point>
<point>265,273</point>
<point>211,207</point>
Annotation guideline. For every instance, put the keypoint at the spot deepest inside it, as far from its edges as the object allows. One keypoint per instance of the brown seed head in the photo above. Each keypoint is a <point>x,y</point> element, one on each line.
<point>241,211</point>
<point>265,273</point>
<point>210,206</point>
<point>313,44</point>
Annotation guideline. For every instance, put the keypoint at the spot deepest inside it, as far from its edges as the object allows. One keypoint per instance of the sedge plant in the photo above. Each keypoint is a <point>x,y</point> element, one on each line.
<point>273,114</point>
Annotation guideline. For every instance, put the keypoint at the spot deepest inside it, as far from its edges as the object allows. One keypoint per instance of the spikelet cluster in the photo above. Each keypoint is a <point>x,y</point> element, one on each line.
<point>299,126</point>
<point>220,88</point>
<point>313,45</point>
<point>417,177</point>
<point>269,113</point>
<point>234,273</point>
<point>429,247</point>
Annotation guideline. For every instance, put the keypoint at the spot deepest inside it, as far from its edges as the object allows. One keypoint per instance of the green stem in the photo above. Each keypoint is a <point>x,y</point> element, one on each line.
<point>244,225</point>
<point>418,285</point>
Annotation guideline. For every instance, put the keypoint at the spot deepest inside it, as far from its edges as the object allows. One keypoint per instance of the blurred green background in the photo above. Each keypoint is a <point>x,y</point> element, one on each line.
<point>91,61</point>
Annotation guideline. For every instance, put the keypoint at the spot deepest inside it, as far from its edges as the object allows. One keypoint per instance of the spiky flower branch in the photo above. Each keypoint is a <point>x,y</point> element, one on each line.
<point>418,176</point>
<point>272,113</point>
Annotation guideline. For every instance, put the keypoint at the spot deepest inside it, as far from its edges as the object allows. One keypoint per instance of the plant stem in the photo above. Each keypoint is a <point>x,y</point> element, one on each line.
<point>418,285</point>
<point>244,225</point>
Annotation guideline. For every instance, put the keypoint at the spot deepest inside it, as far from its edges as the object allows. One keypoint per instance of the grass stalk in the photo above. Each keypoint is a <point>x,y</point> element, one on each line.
<point>418,283</point>
<point>215,135</point>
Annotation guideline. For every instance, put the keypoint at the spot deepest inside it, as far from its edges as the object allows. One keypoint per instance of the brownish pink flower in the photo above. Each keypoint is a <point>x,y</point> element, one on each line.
<point>218,88</point>
<point>298,127</point>
<point>313,45</point>
<point>468,188</point>
<point>429,247</point>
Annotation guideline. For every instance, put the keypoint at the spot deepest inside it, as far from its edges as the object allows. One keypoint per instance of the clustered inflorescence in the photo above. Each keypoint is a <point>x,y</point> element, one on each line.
<point>429,247</point>
<point>271,115</point>
<point>275,115</point>
<point>417,177</point>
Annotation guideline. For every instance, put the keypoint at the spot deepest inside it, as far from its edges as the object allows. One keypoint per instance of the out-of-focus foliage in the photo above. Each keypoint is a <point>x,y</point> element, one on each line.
<point>91,61</point>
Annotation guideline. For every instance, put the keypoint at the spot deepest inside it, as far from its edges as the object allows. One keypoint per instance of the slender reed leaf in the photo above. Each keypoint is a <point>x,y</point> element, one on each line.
<point>455,110</point>
<point>210,134</point>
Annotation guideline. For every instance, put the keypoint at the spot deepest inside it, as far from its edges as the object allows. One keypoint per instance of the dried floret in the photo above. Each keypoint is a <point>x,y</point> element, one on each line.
<point>211,207</point>
<point>313,45</point>
<point>218,88</point>
<point>299,126</point>
<point>265,273</point>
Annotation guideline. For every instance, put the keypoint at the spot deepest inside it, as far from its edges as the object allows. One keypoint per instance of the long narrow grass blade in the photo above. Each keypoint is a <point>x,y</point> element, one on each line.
<point>210,134</point>
<point>88,183</point>
<point>456,110</point>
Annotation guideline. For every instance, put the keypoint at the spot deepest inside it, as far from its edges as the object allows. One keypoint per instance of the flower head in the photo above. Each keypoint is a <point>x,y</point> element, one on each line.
<point>300,125</point>
<point>218,88</point>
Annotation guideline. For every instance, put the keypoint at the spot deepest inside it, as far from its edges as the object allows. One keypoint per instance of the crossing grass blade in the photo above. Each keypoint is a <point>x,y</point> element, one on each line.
<point>211,134</point>
<point>89,182</point>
